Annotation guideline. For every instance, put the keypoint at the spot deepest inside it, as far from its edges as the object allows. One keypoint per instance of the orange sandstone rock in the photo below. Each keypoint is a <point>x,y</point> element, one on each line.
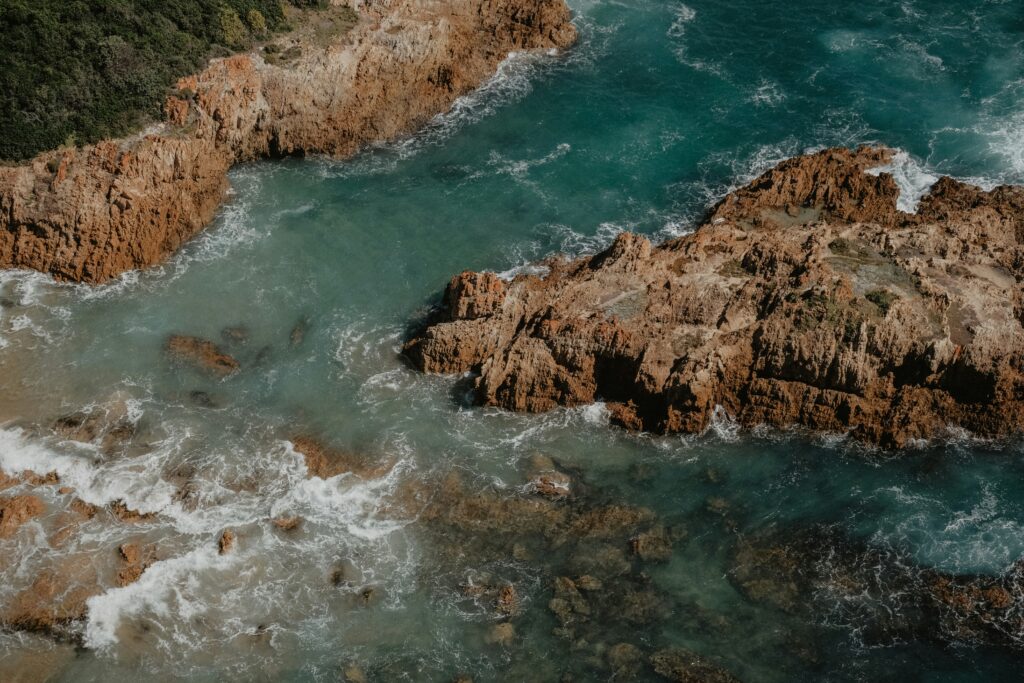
<point>16,511</point>
<point>125,204</point>
<point>805,298</point>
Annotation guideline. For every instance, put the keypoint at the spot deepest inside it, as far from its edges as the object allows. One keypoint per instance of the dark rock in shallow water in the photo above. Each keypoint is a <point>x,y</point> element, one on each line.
<point>202,399</point>
<point>135,560</point>
<point>652,546</point>
<point>879,592</point>
<point>683,666</point>
<point>298,333</point>
<point>201,354</point>
<point>345,573</point>
<point>108,426</point>
<point>238,334</point>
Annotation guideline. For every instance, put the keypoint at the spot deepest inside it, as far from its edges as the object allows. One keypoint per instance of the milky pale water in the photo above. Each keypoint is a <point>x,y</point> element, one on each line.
<point>660,109</point>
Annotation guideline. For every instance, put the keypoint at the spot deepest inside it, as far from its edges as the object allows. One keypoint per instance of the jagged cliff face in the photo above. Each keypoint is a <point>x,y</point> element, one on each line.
<point>92,213</point>
<point>805,298</point>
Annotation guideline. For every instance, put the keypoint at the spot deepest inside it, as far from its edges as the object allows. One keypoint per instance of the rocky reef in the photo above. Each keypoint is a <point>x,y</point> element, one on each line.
<point>879,592</point>
<point>564,560</point>
<point>805,298</point>
<point>92,213</point>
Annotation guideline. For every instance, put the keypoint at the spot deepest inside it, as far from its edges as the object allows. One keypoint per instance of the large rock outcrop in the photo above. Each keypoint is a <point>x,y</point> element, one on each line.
<point>92,213</point>
<point>805,298</point>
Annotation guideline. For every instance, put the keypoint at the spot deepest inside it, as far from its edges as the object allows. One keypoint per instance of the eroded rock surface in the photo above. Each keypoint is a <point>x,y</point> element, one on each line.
<point>805,298</point>
<point>91,213</point>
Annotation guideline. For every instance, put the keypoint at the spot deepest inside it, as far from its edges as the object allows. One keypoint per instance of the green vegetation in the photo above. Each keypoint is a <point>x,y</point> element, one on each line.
<point>882,298</point>
<point>76,71</point>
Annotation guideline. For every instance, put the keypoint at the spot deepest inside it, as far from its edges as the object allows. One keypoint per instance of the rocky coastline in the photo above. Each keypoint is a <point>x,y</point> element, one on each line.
<point>89,214</point>
<point>806,298</point>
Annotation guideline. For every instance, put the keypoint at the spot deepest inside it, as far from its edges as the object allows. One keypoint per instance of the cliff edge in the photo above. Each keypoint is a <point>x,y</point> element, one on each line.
<point>89,214</point>
<point>806,298</point>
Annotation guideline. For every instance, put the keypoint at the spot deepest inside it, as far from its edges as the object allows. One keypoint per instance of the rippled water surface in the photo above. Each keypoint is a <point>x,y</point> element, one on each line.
<point>659,110</point>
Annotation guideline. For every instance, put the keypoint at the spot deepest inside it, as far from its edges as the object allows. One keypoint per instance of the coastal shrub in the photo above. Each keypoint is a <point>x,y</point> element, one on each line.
<point>235,34</point>
<point>257,23</point>
<point>882,298</point>
<point>81,70</point>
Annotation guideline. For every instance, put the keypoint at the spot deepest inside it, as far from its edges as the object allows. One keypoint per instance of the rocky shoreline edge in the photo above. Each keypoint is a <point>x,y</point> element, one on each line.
<point>92,213</point>
<point>806,298</point>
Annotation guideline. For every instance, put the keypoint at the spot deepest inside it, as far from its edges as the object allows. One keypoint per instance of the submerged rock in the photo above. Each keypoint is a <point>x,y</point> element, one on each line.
<point>684,666</point>
<point>652,546</point>
<point>501,634</point>
<point>298,333</point>
<point>879,591</point>
<point>287,524</point>
<point>238,334</point>
<point>804,298</point>
<point>108,426</point>
<point>55,599</point>
<point>353,674</point>
<point>625,660</point>
<point>325,463</point>
<point>488,534</point>
<point>201,354</point>
<point>17,510</point>
<point>345,573</point>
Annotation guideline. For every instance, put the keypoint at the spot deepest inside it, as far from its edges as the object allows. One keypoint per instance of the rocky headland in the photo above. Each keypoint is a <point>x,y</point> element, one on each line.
<point>805,298</point>
<point>89,214</point>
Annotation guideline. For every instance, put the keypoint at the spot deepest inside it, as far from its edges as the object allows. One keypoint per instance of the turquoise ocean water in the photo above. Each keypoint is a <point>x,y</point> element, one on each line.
<point>660,109</point>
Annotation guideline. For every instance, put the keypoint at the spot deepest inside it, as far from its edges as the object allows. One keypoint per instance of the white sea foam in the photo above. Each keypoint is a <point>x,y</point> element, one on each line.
<point>1006,135</point>
<point>135,481</point>
<point>519,168</point>
<point>767,94</point>
<point>169,589</point>
<point>524,269</point>
<point>596,413</point>
<point>573,243</point>
<point>361,341</point>
<point>981,532</point>
<point>683,17</point>
<point>345,501</point>
<point>912,179</point>
<point>723,425</point>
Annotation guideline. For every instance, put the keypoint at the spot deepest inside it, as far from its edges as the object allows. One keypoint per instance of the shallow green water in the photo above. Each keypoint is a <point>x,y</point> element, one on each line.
<point>658,112</point>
